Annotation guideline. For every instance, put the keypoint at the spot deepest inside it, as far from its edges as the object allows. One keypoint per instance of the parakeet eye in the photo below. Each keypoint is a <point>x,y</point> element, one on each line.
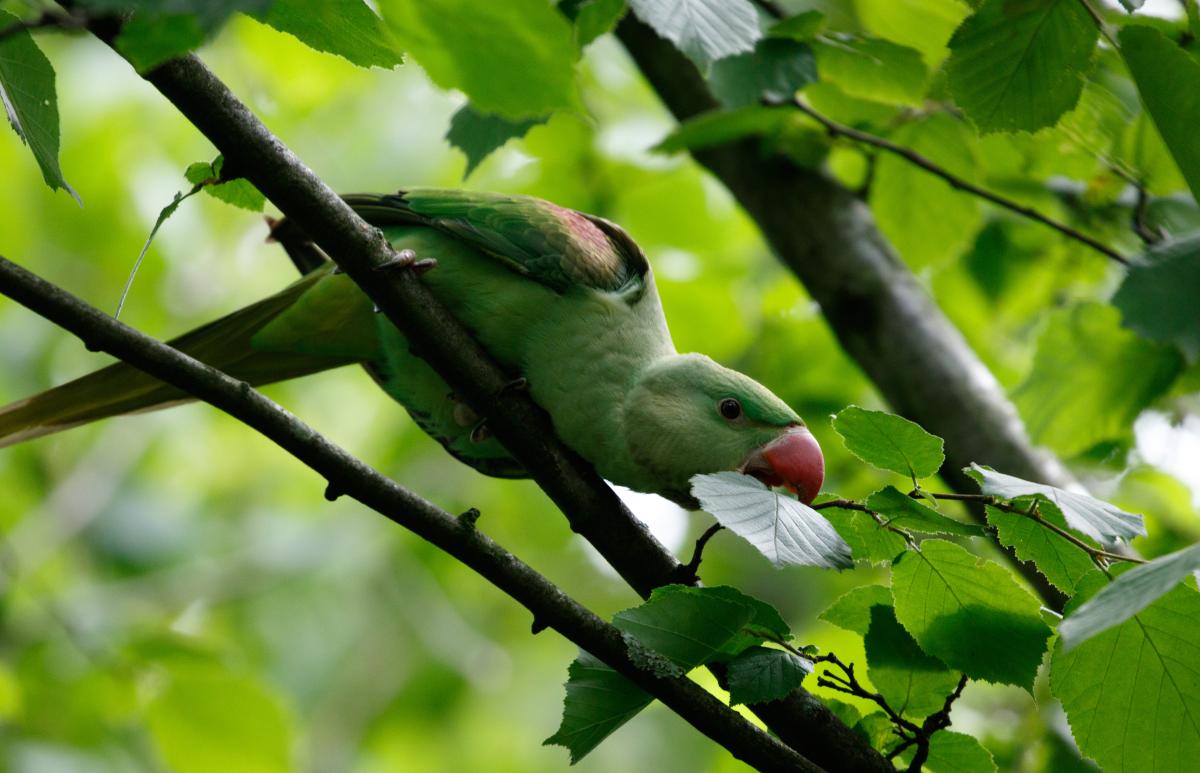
<point>730,408</point>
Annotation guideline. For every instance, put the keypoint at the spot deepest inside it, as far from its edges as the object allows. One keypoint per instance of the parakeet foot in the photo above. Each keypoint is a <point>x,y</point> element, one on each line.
<point>519,384</point>
<point>407,259</point>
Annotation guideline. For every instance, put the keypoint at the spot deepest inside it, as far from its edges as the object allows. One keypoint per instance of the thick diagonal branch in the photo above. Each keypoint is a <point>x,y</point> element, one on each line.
<point>351,477</point>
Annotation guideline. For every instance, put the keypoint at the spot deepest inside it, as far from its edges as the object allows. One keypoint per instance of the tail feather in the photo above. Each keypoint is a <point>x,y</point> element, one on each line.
<point>120,388</point>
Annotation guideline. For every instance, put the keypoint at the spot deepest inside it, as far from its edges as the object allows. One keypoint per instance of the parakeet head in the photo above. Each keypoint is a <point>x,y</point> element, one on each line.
<point>688,415</point>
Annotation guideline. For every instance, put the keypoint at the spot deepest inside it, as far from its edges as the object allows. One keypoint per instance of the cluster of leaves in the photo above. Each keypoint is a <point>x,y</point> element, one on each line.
<point>950,614</point>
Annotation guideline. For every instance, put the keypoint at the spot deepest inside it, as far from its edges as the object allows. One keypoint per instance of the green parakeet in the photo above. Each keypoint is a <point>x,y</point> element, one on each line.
<point>565,299</point>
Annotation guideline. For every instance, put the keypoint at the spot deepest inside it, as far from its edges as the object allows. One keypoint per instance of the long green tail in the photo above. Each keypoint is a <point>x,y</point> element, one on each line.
<point>118,389</point>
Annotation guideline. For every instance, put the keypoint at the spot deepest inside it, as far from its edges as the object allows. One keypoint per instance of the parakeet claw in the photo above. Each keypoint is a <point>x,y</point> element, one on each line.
<point>519,384</point>
<point>481,432</point>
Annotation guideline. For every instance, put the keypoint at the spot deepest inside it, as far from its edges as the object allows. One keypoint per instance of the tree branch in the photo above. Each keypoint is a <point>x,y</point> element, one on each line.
<point>841,130</point>
<point>458,537</point>
<point>591,507</point>
<point>883,318</point>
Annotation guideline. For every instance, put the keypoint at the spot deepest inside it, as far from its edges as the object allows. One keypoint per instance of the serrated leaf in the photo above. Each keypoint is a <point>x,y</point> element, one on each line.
<point>889,442</point>
<point>927,220</point>
<point>760,675</point>
<point>1090,379</point>
<point>1157,298</point>
<point>199,172</point>
<point>902,511</point>
<point>345,28</point>
<point>914,683</point>
<point>719,127</point>
<point>599,700</point>
<point>1018,66</point>
<point>677,629</point>
<point>765,624</point>
<point>1128,595</point>
<point>853,610</point>
<point>868,540</point>
<point>785,530</point>
<point>775,70</point>
<point>951,752</point>
<point>970,613</point>
<point>1059,561</point>
<point>1098,520</point>
<point>31,101</point>
<point>1139,680</point>
<point>1166,75</point>
<point>515,59</point>
<point>687,625</point>
<point>704,30</point>
<point>478,135</point>
<point>240,193</point>
<point>872,68</point>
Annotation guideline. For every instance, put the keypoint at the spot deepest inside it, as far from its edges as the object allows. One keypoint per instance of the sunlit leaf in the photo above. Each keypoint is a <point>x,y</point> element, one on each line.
<point>704,30</point>
<point>868,539</point>
<point>592,18</point>
<point>1020,65</point>
<point>785,530</point>
<point>951,752</point>
<point>1061,562</point>
<point>902,511</point>
<point>871,68</point>
<point>347,28</point>
<point>970,613</point>
<point>914,683</point>
<point>853,610</point>
<point>889,442</point>
<point>1098,520</point>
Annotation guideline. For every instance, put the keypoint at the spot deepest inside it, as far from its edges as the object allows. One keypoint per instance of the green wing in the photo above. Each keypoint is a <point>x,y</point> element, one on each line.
<point>559,247</point>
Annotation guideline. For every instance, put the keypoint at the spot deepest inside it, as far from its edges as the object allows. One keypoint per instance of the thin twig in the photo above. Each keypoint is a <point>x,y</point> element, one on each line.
<point>688,572</point>
<point>351,477</point>
<point>841,130</point>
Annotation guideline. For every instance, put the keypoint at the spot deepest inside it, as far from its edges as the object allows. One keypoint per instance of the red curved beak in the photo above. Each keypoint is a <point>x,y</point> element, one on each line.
<point>793,460</point>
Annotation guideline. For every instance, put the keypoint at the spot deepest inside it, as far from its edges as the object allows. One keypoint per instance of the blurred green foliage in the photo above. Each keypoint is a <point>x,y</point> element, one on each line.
<point>176,594</point>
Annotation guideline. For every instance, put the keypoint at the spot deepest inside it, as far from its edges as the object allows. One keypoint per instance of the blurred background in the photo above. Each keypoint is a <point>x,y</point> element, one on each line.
<point>175,592</point>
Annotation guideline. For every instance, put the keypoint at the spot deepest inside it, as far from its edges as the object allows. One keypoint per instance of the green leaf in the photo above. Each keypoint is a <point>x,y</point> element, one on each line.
<point>208,719</point>
<point>346,28</point>
<point>802,27</point>
<point>592,18</point>
<point>240,193</point>
<point>199,173</point>
<point>766,623</point>
<point>1128,595</point>
<point>1098,520</point>
<point>1090,379</point>
<point>868,540</point>
<point>677,629</point>
<point>478,135</point>
<point>515,59</point>
<point>925,25</point>
<point>704,30</point>
<point>1157,298</point>
<point>1166,76</point>
<point>889,442</point>
<point>30,101</point>
<point>914,683</point>
<point>148,40</point>
<point>853,610</point>
<point>871,68</point>
<point>718,127</point>
<point>904,512</point>
<point>969,613</point>
<point>927,221</point>
<point>775,70</point>
<point>785,530</point>
<point>1061,562</point>
<point>1132,693</point>
<point>951,752</point>
<point>1018,65</point>
<point>760,674</point>
<point>599,700</point>
<point>687,625</point>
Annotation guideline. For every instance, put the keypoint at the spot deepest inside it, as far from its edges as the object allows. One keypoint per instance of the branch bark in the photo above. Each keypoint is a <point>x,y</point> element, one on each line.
<point>457,536</point>
<point>590,506</point>
<point>883,318</point>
